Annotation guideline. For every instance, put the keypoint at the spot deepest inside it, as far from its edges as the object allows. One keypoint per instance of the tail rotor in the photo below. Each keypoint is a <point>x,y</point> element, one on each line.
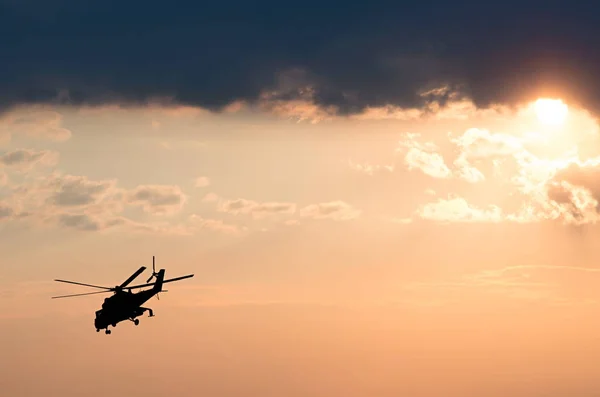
<point>154,273</point>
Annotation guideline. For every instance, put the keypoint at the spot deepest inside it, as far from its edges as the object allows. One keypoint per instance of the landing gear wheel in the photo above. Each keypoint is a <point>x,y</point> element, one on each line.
<point>108,332</point>
<point>136,321</point>
<point>97,330</point>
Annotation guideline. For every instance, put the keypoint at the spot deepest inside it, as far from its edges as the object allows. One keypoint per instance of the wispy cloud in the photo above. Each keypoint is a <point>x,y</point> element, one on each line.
<point>371,169</point>
<point>256,209</point>
<point>334,210</point>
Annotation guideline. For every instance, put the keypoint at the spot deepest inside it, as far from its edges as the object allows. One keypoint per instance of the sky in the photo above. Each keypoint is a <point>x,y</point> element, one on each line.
<point>374,200</point>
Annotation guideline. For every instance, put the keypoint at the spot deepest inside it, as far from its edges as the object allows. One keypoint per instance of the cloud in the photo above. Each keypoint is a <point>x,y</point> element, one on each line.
<point>481,143</point>
<point>298,109</point>
<point>431,164</point>
<point>477,145</point>
<point>457,209</point>
<point>477,149</point>
<point>79,203</point>
<point>256,209</point>
<point>334,210</point>
<point>398,56</point>
<point>423,156</point>
<point>532,181</point>
<point>575,191</point>
<point>26,159</point>
<point>79,221</point>
<point>157,199</point>
<point>457,107</point>
<point>467,172</point>
<point>202,181</point>
<point>70,201</point>
<point>75,190</point>
<point>371,169</point>
<point>35,122</point>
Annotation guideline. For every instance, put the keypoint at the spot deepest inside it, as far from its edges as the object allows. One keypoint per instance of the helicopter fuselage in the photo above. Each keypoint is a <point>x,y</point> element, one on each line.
<point>125,305</point>
<point>122,306</point>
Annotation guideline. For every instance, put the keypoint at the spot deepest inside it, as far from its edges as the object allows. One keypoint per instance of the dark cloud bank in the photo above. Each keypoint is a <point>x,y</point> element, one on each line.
<point>354,54</point>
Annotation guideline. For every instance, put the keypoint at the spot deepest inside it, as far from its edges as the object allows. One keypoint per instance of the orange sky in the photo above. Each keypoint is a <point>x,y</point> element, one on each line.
<point>392,253</point>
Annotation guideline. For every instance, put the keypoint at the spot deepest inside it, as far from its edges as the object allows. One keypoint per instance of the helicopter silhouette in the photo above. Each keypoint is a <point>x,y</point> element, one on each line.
<point>124,304</point>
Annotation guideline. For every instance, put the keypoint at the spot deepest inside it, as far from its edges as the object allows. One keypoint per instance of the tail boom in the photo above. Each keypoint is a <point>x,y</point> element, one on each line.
<point>160,276</point>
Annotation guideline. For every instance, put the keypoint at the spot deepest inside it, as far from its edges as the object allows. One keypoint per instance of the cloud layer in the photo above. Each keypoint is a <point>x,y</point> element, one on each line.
<point>526,173</point>
<point>339,55</point>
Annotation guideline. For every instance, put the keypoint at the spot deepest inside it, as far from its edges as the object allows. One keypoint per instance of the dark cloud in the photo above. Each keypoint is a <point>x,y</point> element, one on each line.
<point>73,191</point>
<point>78,221</point>
<point>353,54</point>
<point>158,199</point>
<point>27,158</point>
<point>20,156</point>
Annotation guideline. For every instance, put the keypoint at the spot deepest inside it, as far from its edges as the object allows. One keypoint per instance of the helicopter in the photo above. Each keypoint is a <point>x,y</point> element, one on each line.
<point>124,304</point>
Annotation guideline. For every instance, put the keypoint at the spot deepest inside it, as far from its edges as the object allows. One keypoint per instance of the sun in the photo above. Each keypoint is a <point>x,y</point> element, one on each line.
<point>551,111</point>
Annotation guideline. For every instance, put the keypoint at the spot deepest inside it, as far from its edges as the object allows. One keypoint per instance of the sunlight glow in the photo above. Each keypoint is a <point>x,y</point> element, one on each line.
<point>551,111</point>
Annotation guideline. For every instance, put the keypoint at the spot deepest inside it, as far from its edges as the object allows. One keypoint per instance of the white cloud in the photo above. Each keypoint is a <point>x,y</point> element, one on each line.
<point>370,169</point>
<point>457,209</point>
<point>465,171</point>
<point>423,156</point>
<point>431,164</point>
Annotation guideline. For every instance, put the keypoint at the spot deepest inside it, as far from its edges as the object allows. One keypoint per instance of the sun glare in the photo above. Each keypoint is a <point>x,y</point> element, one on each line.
<point>551,111</point>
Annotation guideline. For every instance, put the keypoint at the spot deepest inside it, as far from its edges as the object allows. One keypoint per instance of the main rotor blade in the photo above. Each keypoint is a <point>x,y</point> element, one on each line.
<point>133,276</point>
<point>178,278</point>
<point>165,281</point>
<point>85,285</point>
<point>72,295</point>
